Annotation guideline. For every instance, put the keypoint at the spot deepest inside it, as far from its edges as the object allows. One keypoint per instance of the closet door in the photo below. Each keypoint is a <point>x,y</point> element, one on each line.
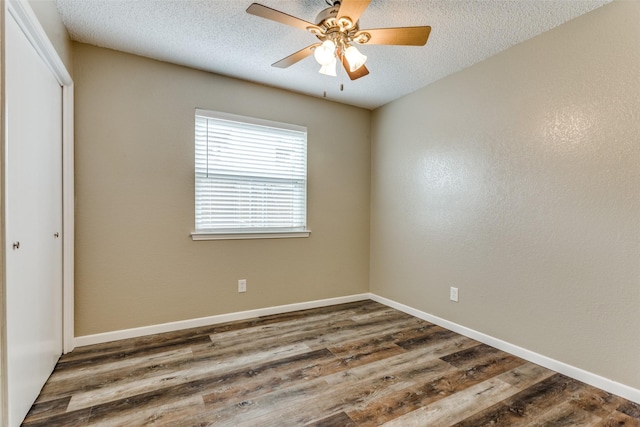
<point>33,194</point>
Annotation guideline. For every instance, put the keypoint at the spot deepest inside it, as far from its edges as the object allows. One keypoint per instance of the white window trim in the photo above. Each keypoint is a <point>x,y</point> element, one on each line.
<point>246,235</point>
<point>243,234</point>
<point>247,119</point>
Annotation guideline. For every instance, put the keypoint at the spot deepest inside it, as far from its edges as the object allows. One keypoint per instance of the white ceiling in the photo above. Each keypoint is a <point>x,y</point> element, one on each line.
<point>220,37</point>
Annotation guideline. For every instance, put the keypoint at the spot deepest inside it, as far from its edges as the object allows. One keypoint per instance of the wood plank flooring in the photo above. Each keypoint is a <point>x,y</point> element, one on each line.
<point>358,364</point>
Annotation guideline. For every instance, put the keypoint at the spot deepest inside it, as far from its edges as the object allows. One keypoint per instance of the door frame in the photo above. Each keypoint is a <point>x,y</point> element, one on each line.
<point>31,27</point>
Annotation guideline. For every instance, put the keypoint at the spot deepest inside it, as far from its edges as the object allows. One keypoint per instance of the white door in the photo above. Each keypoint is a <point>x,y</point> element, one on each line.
<point>33,173</point>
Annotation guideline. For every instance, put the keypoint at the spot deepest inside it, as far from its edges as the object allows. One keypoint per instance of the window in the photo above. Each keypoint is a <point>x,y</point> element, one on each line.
<point>251,177</point>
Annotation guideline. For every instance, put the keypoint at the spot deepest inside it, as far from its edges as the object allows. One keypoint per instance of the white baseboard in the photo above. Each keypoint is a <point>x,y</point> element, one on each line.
<point>211,320</point>
<point>611,386</point>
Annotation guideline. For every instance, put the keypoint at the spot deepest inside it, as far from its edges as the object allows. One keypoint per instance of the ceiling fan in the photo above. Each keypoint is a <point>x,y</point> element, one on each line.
<point>337,29</point>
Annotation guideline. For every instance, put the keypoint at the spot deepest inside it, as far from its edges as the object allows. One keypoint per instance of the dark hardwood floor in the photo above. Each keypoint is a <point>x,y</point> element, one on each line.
<point>359,364</point>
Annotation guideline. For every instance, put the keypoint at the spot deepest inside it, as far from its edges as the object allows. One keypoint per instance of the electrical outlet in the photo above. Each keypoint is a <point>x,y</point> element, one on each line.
<point>242,285</point>
<point>453,294</point>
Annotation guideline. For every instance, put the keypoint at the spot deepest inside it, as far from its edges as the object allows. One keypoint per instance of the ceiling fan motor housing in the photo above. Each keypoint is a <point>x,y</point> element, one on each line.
<point>329,27</point>
<point>329,13</point>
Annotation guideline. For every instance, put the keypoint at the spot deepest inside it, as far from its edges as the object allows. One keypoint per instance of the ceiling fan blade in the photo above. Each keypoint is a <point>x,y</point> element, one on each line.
<point>295,57</point>
<point>352,9</point>
<point>353,75</point>
<point>275,15</point>
<point>407,36</point>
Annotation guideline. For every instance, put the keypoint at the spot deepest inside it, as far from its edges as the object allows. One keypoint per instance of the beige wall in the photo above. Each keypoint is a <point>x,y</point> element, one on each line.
<point>48,16</point>
<point>136,264</point>
<point>518,181</point>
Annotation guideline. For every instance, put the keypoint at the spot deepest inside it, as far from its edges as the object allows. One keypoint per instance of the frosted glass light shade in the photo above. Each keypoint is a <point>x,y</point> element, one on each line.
<point>354,58</point>
<point>325,53</point>
<point>329,70</point>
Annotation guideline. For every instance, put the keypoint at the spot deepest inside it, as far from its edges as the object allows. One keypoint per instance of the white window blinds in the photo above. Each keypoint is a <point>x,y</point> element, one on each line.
<point>251,174</point>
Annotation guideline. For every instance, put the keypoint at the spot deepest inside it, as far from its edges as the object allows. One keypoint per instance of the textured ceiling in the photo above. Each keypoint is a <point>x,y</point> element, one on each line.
<point>220,37</point>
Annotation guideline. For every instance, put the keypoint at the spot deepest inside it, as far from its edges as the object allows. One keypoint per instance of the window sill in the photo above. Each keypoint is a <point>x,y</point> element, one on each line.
<point>203,235</point>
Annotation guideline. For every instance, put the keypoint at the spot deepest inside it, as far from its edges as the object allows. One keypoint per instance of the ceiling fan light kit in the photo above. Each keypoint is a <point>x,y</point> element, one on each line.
<point>325,53</point>
<point>338,29</point>
<point>329,69</point>
<point>355,58</point>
